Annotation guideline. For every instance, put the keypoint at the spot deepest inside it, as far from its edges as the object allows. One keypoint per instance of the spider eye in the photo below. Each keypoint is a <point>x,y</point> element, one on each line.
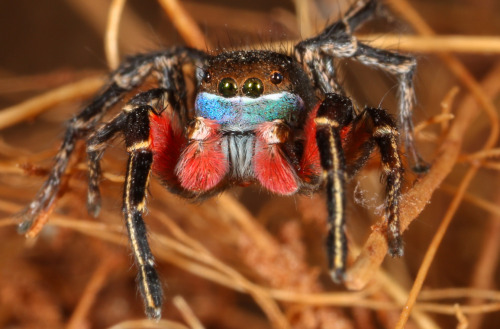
<point>228,87</point>
<point>276,77</point>
<point>253,87</point>
<point>207,76</point>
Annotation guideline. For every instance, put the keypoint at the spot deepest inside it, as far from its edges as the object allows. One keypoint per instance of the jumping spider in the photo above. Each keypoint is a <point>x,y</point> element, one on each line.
<point>258,117</point>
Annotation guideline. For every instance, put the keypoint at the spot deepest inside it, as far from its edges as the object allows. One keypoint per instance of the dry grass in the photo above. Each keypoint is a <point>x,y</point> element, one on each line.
<point>246,259</point>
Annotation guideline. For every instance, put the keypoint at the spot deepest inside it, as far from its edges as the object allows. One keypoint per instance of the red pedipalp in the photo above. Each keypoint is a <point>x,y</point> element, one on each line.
<point>203,163</point>
<point>272,168</point>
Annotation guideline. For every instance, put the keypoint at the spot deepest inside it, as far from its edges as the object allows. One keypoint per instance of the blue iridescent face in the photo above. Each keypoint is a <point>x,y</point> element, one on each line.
<point>243,112</point>
<point>243,89</point>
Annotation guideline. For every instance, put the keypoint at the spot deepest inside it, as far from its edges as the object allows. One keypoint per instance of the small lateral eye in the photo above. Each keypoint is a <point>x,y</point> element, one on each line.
<point>276,77</point>
<point>207,76</point>
<point>253,87</point>
<point>228,87</point>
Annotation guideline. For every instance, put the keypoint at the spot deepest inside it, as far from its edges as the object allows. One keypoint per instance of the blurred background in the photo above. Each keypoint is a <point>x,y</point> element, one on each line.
<point>246,259</point>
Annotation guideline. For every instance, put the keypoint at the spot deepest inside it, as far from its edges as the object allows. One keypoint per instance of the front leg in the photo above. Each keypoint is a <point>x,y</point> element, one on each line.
<point>134,123</point>
<point>335,113</point>
<point>137,139</point>
<point>99,140</point>
<point>135,126</point>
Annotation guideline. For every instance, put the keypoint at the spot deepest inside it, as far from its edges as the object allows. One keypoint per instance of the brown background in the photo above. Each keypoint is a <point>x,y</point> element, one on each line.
<point>46,44</point>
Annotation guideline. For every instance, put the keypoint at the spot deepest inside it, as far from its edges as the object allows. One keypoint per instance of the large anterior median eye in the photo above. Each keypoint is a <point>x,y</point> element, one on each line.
<point>228,87</point>
<point>253,87</point>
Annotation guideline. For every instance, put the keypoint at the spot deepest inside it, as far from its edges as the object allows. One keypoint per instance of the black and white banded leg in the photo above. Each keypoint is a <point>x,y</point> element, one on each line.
<point>334,113</point>
<point>403,67</point>
<point>96,145</point>
<point>336,41</point>
<point>134,123</point>
<point>376,128</point>
<point>317,54</point>
<point>133,72</point>
<point>77,129</point>
<point>97,142</point>
<point>381,132</point>
<point>134,204</point>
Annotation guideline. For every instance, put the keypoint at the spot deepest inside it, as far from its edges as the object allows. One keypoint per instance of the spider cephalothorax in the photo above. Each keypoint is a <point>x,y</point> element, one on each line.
<point>256,117</point>
<point>246,105</point>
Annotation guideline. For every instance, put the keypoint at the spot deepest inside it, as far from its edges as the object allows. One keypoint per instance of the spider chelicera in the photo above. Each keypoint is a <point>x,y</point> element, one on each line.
<point>258,117</point>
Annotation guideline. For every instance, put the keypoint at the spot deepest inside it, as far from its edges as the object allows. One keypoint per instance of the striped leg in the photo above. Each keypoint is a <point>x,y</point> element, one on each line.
<point>134,122</point>
<point>333,114</point>
<point>97,142</point>
<point>96,145</point>
<point>134,204</point>
<point>382,132</point>
<point>403,67</point>
<point>77,127</point>
<point>317,53</point>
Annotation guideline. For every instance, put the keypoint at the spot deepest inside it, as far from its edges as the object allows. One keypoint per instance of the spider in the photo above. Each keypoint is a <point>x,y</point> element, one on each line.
<point>278,120</point>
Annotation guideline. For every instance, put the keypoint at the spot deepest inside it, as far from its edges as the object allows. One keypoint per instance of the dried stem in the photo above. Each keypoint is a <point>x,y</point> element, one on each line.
<point>448,293</point>
<point>114,234</point>
<point>302,8</point>
<point>187,313</point>
<point>492,208</point>
<point>440,118</point>
<point>465,77</point>
<point>456,67</point>
<point>483,276</point>
<point>481,155</point>
<point>415,200</point>
<point>433,247</point>
<point>446,106</point>
<point>427,44</point>
<point>463,323</point>
<point>399,294</point>
<point>97,281</point>
<point>149,324</point>
<point>111,35</point>
<point>466,44</point>
<point>28,109</point>
<point>185,24</point>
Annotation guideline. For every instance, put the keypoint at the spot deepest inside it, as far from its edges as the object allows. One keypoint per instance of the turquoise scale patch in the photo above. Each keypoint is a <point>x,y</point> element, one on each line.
<point>245,112</point>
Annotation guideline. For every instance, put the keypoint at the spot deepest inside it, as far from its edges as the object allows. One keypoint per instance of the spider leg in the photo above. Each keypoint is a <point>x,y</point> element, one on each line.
<point>97,142</point>
<point>127,77</point>
<point>134,122</point>
<point>335,113</point>
<point>336,41</point>
<point>96,145</point>
<point>77,127</point>
<point>404,68</point>
<point>317,53</point>
<point>137,140</point>
<point>382,132</point>
<point>359,13</point>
